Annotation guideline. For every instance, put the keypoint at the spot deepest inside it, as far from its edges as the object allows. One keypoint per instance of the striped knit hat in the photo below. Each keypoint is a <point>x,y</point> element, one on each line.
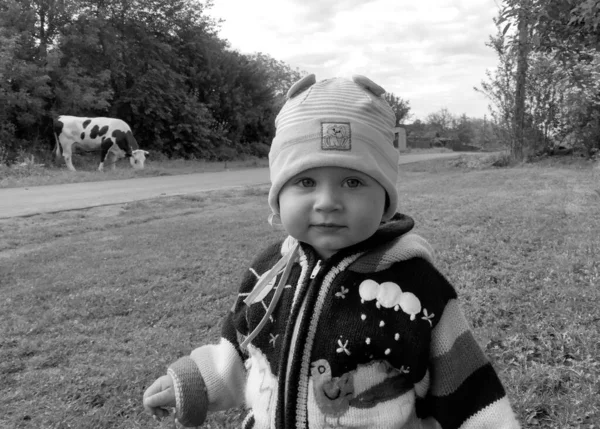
<point>335,123</point>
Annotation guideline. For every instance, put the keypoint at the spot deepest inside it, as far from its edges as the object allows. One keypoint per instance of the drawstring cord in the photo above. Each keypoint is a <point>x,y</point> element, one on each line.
<point>262,288</point>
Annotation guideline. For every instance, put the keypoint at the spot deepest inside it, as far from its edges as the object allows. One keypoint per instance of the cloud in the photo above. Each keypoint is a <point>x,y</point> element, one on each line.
<point>431,53</point>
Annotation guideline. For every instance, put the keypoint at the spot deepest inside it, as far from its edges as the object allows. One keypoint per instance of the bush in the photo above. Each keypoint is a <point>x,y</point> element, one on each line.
<point>479,162</point>
<point>3,155</point>
<point>226,153</point>
<point>260,150</point>
<point>500,160</point>
<point>8,144</point>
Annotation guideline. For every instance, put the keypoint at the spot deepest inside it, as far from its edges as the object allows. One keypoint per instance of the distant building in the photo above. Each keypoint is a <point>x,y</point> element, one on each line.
<point>400,138</point>
<point>421,140</point>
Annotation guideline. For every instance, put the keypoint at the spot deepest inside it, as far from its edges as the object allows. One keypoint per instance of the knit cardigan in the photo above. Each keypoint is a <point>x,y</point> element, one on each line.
<point>373,337</point>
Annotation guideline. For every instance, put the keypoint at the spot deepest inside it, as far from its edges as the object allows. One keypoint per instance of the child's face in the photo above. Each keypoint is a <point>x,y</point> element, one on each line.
<point>331,208</point>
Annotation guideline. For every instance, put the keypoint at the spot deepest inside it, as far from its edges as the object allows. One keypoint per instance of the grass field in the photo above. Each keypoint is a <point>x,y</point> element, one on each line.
<point>96,303</point>
<point>55,173</point>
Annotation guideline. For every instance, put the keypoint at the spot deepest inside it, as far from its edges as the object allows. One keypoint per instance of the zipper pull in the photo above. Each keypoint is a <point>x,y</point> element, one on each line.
<point>315,271</point>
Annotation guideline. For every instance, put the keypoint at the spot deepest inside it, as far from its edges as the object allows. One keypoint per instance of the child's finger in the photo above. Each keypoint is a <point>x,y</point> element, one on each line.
<point>159,413</point>
<point>164,398</point>
<point>155,387</point>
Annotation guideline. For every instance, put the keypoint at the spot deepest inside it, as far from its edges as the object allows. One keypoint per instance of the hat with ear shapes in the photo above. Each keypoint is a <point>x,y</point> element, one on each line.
<point>335,123</point>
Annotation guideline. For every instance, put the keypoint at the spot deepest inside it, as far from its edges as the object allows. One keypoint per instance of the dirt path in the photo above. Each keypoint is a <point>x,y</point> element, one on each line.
<point>55,198</point>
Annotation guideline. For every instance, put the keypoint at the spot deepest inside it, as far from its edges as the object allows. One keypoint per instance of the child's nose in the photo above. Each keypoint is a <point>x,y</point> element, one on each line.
<point>327,199</point>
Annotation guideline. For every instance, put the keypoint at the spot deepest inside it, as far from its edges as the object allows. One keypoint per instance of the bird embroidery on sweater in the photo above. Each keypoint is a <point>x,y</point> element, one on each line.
<point>332,394</point>
<point>335,396</point>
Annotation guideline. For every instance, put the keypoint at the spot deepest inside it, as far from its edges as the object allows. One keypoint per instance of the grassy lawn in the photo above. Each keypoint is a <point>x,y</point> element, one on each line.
<point>97,302</point>
<point>52,173</point>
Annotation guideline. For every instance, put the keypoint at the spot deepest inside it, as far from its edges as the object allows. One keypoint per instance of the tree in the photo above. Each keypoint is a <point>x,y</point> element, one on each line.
<point>464,130</point>
<point>50,17</point>
<point>500,89</point>
<point>24,81</point>
<point>578,120</point>
<point>417,128</point>
<point>516,147</point>
<point>524,14</point>
<point>564,27</point>
<point>442,121</point>
<point>279,74</point>
<point>545,99</point>
<point>400,107</point>
<point>157,64</point>
<point>585,18</point>
<point>552,39</point>
<point>482,133</point>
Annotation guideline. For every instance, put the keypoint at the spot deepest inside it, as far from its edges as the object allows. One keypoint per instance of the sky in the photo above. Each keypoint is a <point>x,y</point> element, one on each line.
<point>429,52</point>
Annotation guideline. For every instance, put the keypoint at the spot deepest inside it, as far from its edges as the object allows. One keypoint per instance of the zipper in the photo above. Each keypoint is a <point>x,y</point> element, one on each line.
<point>316,270</point>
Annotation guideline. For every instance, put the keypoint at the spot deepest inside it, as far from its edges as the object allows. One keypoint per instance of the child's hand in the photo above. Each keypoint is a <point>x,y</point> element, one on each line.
<point>160,396</point>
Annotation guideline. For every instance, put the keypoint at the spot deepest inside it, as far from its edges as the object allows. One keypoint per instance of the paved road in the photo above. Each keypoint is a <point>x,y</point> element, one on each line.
<point>55,198</point>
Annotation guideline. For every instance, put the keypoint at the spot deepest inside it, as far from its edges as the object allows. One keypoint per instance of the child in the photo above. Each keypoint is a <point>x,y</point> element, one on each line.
<point>346,323</point>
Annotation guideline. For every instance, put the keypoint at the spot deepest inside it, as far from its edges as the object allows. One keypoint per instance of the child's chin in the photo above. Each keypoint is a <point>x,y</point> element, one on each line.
<point>329,249</point>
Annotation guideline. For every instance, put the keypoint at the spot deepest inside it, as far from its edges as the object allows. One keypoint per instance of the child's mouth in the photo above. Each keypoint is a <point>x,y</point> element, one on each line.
<point>328,226</point>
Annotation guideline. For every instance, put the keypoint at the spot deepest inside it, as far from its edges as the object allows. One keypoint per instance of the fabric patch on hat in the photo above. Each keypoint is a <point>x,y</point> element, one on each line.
<point>336,136</point>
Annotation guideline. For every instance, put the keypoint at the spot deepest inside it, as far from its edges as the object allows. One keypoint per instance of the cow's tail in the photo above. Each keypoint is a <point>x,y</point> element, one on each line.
<point>57,148</point>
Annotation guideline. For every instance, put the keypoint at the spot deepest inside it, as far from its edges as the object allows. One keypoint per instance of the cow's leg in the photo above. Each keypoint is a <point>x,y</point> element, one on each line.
<point>69,162</point>
<point>104,147</point>
<point>112,159</point>
<point>115,153</point>
<point>101,165</point>
<point>67,157</point>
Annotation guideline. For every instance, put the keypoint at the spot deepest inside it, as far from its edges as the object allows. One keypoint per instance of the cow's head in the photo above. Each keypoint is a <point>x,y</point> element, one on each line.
<point>138,158</point>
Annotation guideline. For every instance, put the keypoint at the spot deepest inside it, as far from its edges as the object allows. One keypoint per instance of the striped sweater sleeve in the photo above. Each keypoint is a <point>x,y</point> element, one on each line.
<point>213,377</point>
<point>464,391</point>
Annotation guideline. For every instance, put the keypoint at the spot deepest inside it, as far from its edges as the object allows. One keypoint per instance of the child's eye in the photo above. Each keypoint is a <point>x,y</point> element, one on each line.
<point>352,183</point>
<point>306,183</point>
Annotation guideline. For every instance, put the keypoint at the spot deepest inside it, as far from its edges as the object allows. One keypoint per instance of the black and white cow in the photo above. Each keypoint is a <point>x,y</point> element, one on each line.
<point>107,135</point>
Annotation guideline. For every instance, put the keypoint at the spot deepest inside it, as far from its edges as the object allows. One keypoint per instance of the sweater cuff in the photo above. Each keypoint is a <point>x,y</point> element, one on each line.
<point>190,392</point>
